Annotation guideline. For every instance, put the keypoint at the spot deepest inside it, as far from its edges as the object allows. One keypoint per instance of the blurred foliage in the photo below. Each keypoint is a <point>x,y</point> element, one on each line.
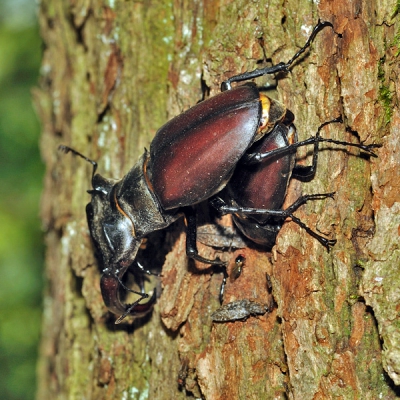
<point>21,175</point>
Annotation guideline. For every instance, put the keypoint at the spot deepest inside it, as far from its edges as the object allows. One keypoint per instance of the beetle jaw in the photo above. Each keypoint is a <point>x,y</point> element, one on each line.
<point>109,285</point>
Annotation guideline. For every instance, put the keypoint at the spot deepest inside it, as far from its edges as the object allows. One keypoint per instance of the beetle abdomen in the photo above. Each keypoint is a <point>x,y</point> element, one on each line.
<point>263,185</point>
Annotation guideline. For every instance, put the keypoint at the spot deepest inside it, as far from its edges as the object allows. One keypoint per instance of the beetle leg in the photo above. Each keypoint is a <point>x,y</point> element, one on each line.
<point>254,158</point>
<point>257,157</point>
<point>303,172</point>
<point>191,233</point>
<point>221,206</point>
<point>328,243</point>
<point>226,85</point>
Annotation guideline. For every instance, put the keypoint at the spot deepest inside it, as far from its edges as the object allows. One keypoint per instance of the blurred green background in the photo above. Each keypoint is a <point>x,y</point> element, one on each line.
<point>21,176</point>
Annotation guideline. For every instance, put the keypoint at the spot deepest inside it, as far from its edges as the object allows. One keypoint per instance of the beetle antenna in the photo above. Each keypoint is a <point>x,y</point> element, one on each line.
<point>66,150</point>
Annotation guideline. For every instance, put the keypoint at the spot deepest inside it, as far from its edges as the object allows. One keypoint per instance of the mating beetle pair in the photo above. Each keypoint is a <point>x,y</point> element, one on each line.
<point>237,149</point>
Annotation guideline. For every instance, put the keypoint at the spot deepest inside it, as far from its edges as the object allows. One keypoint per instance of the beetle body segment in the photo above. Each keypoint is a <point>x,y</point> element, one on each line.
<point>263,185</point>
<point>193,156</point>
<point>140,202</point>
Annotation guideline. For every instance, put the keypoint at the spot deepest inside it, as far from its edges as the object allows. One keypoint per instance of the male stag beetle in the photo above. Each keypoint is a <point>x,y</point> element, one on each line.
<point>227,141</point>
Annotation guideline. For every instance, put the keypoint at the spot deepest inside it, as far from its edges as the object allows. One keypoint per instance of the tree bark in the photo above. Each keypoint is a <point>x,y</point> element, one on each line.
<point>113,72</point>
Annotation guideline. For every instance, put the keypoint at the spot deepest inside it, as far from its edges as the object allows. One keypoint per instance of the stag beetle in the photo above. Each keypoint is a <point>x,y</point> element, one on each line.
<point>256,191</point>
<point>212,146</point>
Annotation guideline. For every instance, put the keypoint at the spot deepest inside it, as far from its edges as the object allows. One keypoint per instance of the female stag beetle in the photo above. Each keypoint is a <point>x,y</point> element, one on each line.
<point>257,190</point>
<point>227,141</point>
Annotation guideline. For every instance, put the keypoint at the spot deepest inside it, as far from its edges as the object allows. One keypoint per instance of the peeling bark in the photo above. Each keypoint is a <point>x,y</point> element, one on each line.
<point>112,73</point>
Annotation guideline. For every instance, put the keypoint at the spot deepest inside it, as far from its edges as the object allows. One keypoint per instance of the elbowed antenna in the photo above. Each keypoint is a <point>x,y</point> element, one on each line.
<point>66,150</point>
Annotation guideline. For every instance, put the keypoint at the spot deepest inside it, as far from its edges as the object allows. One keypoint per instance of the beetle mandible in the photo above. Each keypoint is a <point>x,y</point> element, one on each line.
<point>192,158</point>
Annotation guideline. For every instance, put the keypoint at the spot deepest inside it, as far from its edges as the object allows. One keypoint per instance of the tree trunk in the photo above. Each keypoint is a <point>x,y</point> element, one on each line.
<point>113,72</point>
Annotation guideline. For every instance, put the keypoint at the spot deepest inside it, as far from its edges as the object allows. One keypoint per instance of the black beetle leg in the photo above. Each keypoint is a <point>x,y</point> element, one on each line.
<point>254,158</point>
<point>191,233</point>
<point>303,172</point>
<point>226,85</point>
<point>308,197</point>
<point>328,243</point>
<point>221,206</point>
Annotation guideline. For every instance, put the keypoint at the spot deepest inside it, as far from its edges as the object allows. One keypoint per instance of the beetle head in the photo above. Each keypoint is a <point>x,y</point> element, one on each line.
<point>111,229</point>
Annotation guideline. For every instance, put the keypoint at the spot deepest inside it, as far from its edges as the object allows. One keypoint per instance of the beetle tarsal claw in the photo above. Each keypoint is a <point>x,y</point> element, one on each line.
<point>328,243</point>
<point>368,148</point>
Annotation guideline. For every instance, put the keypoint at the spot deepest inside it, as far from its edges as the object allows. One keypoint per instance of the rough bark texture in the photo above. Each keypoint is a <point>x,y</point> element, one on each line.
<point>115,71</point>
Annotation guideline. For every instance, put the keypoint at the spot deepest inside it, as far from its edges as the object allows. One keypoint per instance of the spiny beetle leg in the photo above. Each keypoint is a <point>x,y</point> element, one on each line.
<point>307,172</point>
<point>254,158</point>
<point>191,246</point>
<point>327,243</point>
<point>308,197</point>
<point>257,157</point>
<point>221,206</point>
<point>281,67</point>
